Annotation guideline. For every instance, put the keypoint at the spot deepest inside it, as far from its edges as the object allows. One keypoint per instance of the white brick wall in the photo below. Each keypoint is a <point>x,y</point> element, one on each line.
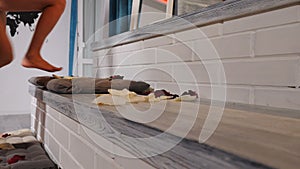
<point>259,51</point>
<point>105,72</point>
<point>235,93</point>
<point>156,73</point>
<point>146,72</point>
<point>195,72</point>
<point>62,135</point>
<point>279,40</point>
<point>160,41</point>
<point>129,47</point>
<point>138,57</point>
<point>230,46</point>
<point>73,146</point>
<point>81,152</point>
<point>202,33</point>
<point>262,72</point>
<point>67,161</point>
<point>174,53</point>
<point>277,97</point>
<point>264,20</point>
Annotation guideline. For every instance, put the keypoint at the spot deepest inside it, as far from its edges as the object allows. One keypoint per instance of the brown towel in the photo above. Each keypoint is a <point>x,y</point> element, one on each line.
<point>97,86</point>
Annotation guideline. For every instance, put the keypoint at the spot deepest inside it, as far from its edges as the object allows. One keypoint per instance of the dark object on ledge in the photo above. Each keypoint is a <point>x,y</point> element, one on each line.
<point>116,77</point>
<point>190,93</point>
<point>34,155</point>
<point>163,92</point>
<point>40,81</point>
<point>89,85</point>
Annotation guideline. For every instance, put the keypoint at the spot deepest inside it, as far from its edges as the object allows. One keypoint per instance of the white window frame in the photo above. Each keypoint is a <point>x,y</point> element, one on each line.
<point>80,61</point>
<point>135,12</point>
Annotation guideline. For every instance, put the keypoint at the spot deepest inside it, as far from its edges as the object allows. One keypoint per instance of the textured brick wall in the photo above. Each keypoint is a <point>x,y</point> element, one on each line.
<point>260,55</point>
<point>69,145</point>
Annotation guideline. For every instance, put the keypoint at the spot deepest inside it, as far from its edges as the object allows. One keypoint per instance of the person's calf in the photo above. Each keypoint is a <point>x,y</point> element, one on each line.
<point>1,6</point>
<point>59,4</point>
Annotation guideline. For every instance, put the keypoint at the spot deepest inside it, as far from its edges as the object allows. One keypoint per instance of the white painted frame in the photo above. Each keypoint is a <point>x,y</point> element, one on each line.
<point>170,7</point>
<point>134,22</point>
<point>79,60</point>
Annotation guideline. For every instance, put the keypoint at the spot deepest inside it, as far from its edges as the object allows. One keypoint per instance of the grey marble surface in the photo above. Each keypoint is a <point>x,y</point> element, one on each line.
<point>186,154</point>
<point>185,6</point>
<point>218,13</point>
<point>14,122</point>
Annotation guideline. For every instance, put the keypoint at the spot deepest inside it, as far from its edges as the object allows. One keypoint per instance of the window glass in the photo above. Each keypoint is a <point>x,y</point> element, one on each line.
<point>119,16</point>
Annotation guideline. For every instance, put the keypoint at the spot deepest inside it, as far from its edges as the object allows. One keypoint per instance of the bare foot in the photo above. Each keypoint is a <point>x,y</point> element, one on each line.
<point>39,63</point>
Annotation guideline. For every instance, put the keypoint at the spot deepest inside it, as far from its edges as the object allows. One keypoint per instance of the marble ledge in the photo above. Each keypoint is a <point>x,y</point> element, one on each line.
<point>185,152</point>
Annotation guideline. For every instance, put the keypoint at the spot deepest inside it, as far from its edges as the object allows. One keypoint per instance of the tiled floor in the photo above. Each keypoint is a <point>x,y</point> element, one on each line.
<point>14,122</point>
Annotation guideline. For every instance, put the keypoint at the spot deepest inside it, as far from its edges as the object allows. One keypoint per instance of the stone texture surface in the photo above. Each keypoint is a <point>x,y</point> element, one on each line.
<point>83,145</point>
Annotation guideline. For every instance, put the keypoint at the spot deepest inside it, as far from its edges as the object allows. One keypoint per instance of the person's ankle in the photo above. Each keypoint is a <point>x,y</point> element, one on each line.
<point>32,55</point>
<point>6,61</point>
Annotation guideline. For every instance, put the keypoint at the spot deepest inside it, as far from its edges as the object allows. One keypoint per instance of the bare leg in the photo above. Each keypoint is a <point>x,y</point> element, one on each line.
<point>6,54</point>
<point>51,12</point>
